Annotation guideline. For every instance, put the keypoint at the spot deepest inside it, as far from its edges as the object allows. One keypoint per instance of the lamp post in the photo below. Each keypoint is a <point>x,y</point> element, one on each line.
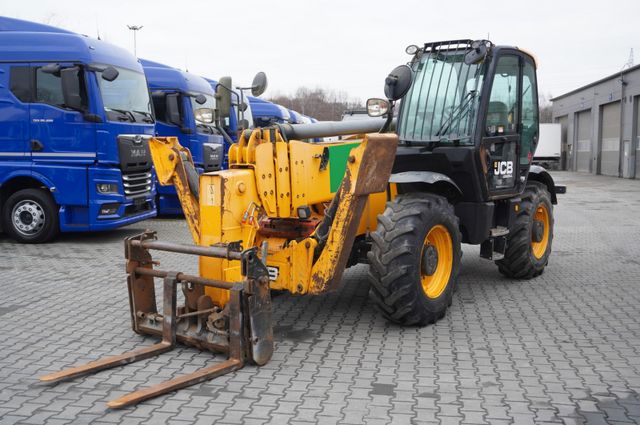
<point>135,29</point>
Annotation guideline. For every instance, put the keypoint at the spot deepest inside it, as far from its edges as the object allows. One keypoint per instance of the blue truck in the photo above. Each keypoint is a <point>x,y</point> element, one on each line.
<point>184,106</point>
<point>266,113</point>
<point>75,119</point>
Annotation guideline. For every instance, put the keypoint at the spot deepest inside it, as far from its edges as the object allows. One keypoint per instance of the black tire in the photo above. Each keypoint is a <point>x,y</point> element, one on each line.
<point>519,261</point>
<point>396,257</point>
<point>30,216</point>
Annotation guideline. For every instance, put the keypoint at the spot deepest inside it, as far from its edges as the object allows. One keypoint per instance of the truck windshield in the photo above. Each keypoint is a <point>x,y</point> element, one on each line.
<point>126,98</point>
<point>442,103</point>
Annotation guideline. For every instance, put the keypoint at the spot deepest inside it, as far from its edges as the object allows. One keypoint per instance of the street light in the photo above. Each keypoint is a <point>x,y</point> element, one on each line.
<point>135,29</point>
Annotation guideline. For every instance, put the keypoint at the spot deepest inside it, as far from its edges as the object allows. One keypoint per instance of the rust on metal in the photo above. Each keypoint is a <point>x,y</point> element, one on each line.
<point>242,329</point>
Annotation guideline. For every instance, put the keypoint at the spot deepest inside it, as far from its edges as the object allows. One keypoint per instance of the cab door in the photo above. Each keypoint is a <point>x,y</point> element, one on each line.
<point>501,138</point>
<point>58,133</point>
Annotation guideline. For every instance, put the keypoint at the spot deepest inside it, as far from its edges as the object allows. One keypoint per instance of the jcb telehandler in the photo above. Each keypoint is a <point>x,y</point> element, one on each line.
<point>292,215</point>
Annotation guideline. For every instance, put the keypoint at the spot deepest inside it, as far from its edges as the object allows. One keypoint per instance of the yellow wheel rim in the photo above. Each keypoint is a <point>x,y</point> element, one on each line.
<point>541,215</point>
<point>434,282</point>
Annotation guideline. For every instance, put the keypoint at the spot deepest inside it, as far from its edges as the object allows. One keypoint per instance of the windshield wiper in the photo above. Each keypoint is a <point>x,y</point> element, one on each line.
<point>128,114</point>
<point>457,112</point>
<point>148,118</point>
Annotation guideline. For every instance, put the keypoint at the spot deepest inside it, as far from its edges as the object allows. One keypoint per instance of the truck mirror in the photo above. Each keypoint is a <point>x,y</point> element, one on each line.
<point>398,82</point>
<point>172,109</point>
<point>223,96</point>
<point>243,124</point>
<point>110,73</point>
<point>71,88</point>
<point>259,84</point>
<point>242,106</point>
<point>204,115</point>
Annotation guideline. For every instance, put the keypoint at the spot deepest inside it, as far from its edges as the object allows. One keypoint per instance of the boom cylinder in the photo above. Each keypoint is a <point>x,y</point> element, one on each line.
<point>329,128</point>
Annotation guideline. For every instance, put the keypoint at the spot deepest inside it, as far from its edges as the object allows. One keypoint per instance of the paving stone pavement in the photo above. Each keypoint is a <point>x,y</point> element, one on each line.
<point>563,348</point>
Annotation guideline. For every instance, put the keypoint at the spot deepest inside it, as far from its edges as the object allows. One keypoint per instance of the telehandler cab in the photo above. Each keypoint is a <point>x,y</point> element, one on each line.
<point>292,215</point>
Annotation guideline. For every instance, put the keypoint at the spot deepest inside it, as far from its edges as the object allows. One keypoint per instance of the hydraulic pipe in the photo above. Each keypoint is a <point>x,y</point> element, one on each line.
<point>330,128</point>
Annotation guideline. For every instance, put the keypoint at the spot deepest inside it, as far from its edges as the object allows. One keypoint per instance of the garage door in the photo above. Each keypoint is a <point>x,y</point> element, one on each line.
<point>583,141</point>
<point>610,139</point>
<point>637,134</point>
<point>565,159</point>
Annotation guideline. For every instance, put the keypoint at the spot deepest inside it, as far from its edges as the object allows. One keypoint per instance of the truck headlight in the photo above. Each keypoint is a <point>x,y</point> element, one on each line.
<point>107,188</point>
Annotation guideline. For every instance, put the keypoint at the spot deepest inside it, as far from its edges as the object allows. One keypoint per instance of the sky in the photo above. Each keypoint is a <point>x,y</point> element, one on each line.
<point>347,45</point>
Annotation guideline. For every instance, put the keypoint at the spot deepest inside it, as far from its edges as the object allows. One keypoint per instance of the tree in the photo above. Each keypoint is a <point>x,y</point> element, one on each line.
<point>546,108</point>
<point>319,103</point>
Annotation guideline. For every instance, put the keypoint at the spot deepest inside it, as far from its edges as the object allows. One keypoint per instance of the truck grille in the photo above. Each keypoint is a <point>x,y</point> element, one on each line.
<point>136,183</point>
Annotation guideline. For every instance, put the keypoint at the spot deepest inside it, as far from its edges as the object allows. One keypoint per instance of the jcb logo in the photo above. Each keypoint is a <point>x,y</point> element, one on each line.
<point>503,168</point>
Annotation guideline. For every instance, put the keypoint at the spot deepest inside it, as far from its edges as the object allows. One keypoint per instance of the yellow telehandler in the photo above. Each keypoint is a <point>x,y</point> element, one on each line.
<point>291,214</point>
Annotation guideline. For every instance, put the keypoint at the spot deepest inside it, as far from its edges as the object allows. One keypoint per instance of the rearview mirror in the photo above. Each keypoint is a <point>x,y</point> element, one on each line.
<point>204,115</point>
<point>398,82</point>
<point>71,88</point>
<point>223,96</point>
<point>377,107</point>
<point>172,109</point>
<point>242,106</point>
<point>110,74</point>
<point>259,84</point>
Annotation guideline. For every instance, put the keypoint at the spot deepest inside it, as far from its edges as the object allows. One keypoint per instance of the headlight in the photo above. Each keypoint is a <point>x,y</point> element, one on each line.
<point>109,209</point>
<point>107,188</point>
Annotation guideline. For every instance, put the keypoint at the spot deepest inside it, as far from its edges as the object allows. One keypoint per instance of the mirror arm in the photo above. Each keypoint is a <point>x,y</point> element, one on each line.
<point>387,123</point>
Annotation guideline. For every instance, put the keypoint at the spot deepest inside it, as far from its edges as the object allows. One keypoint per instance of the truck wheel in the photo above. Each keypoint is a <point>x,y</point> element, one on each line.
<point>529,240</point>
<point>30,216</point>
<point>414,259</point>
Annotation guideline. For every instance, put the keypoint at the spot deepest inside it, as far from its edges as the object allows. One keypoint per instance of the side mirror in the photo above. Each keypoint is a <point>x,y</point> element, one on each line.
<point>201,99</point>
<point>259,84</point>
<point>223,97</point>
<point>242,106</point>
<point>172,109</point>
<point>398,82</point>
<point>204,115</point>
<point>243,124</point>
<point>377,107</point>
<point>110,73</point>
<point>71,88</point>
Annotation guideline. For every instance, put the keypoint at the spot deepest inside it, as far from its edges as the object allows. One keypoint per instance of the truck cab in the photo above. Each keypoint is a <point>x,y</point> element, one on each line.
<point>75,119</point>
<point>179,99</point>
<point>266,113</point>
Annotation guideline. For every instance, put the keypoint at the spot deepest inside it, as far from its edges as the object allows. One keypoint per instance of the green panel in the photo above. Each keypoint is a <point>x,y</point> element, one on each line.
<point>338,163</point>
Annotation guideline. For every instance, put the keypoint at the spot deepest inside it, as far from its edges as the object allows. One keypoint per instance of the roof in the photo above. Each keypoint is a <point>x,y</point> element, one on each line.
<point>595,83</point>
<point>23,41</point>
<point>164,77</point>
<point>261,108</point>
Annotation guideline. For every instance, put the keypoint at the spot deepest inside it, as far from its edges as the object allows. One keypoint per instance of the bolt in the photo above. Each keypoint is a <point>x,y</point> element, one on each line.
<point>352,159</point>
<point>171,157</point>
<point>307,244</point>
<point>300,288</point>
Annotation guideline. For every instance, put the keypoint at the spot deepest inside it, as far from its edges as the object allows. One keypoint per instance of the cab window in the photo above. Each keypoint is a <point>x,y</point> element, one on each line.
<point>503,103</point>
<point>48,88</point>
<point>529,136</point>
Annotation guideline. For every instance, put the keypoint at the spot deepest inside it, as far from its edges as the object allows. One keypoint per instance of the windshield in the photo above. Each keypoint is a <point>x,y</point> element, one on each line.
<point>210,103</point>
<point>127,96</point>
<point>442,103</point>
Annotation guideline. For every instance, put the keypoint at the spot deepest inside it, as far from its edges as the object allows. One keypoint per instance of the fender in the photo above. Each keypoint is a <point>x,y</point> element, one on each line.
<point>438,182</point>
<point>539,174</point>
<point>24,173</point>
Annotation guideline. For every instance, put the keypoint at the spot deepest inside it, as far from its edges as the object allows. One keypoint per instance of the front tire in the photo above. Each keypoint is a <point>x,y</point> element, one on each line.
<point>529,240</point>
<point>30,216</point>
<point>415,259</point>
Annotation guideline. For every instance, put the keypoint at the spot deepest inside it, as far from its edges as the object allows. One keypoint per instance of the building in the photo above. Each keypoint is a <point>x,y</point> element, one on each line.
<point>601,125</point>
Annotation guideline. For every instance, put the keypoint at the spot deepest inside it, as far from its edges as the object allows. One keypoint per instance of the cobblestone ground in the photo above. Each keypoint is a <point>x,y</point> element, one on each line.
<point>564,347</point>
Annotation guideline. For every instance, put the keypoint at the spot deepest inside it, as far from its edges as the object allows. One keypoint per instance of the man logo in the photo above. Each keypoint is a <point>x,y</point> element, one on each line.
<point>138,153</point>
<point>503,168</point>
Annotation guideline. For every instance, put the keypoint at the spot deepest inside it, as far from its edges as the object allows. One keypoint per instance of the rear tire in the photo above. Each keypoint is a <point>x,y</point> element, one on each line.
<point>30,216</point>
<point>525,257</point>
<point>412,286</point>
